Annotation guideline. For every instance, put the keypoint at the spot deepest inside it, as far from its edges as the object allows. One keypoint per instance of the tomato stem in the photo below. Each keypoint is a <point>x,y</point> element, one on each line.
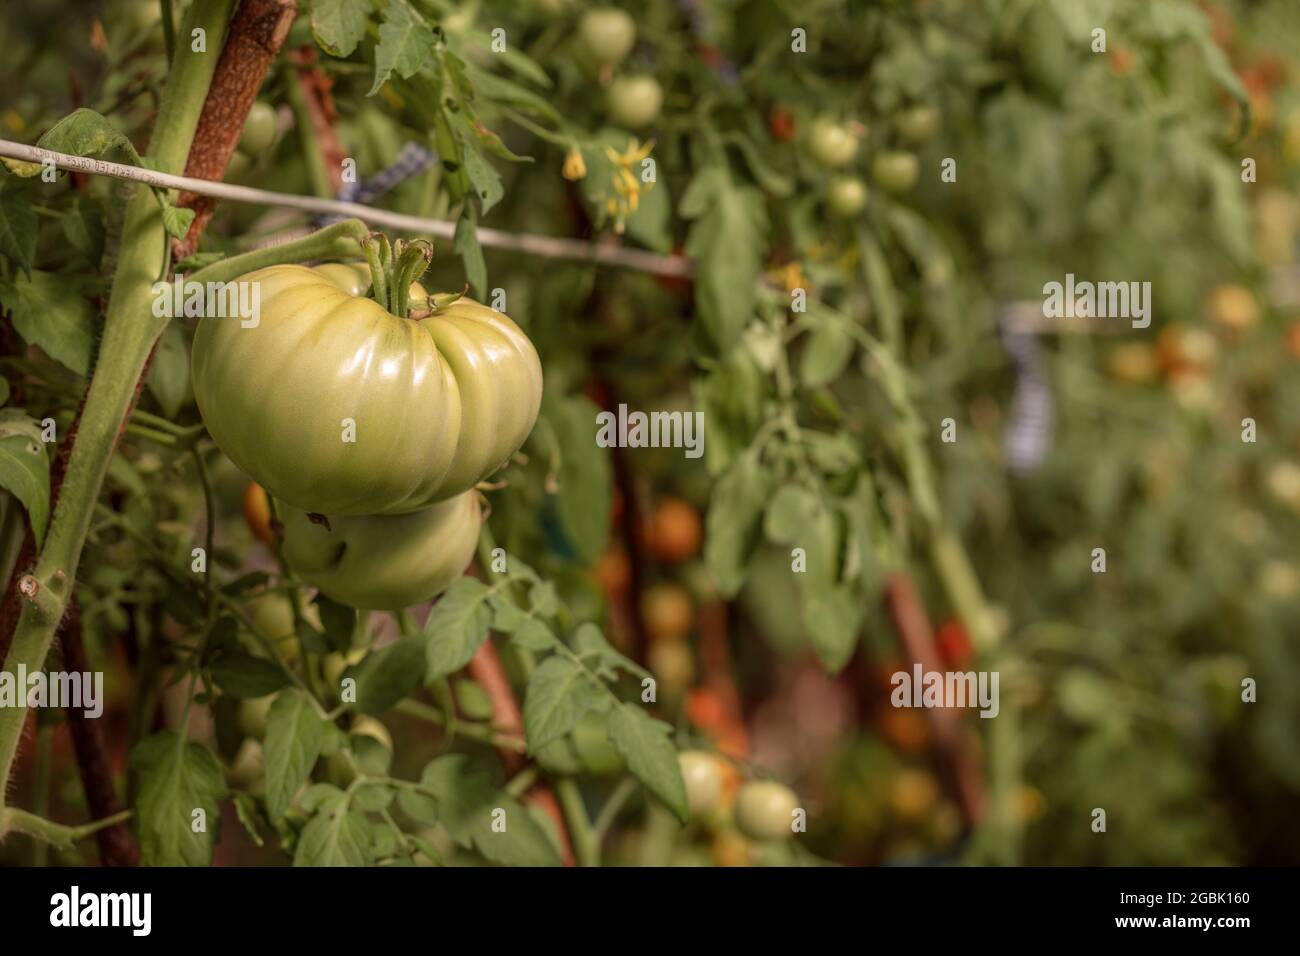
<point>412,260</point>
<point>337,241</point>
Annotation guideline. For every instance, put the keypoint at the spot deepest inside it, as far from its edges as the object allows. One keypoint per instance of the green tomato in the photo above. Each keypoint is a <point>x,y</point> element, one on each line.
<point>591,743</point>
<point>384,562</point>
<point>253,712</point>
<point>831,144</point>
<point>703,780</point>
<point>607,34</point>
<point>917,124</point>
<point>336,406</point>
<point>896,171</point>
<point>259,129</point>
<point>846,195</point>
<point>372,748</point>
<point>764,810</point>
<point>635,101</point>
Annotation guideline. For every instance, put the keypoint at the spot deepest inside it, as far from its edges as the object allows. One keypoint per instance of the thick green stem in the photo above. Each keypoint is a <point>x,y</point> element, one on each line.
<point>130,331</point>
<point>375,247</point>
<point>338,241</point>
<point>13,820</point>
<point>586,844</point>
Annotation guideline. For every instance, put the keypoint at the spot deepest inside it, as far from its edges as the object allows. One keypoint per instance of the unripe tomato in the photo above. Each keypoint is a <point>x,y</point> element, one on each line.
<point>1133,362</point>
<point>703,779</point>
<point>607,34</point>
<point>273,619</point>
<point>729,848</point>
<point>247,771</point>
<point>385,562</point>
<point>673,665</point>
<point>832,144</point>
<point>237,165</point>
<point>913,794</point>
<point>334,665</point>
<point>635,101</point>
<point>668,610</point>
<point>257,513</point>
<point>765,810</point>
<point>675,530</point>
<point>847,196</point>
<point>1233,306</point>
<point>252,715</point>
<point>372,758</point>
<point>896,171</point>
<point>336,406</point>
<point>917,124</point>
<point>259,129</point>
<point>592,745</point>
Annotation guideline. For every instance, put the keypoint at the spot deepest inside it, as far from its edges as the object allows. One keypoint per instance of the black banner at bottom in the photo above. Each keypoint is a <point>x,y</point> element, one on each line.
<point>239,906</point>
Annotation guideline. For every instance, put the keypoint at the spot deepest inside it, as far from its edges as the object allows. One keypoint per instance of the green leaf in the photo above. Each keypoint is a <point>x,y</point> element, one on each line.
<point>482,177</point>
<point>17,228</point>
<point>585,479</point>
<point>388,674</point>
<point>339,25</point>
<point>169,376</point>
<point>767,177</point>
<point>826,353</point>
<point>405,42</point>
<point>338,621</point>
<point>465,243</point>
<point>49,312</point>
<point>84,132</point>
<point>884,296</point>
<point>727,241</point>
<point>455,628</point>
<point>295,735</point>
<point>466,801</point>
<point>534,635</point>
<point>733,523</point>
<point>501,90</point>
<point>732,400</point>
<point>246,812</point>
<point>336,836</point>
<point>790,513</point>
<point>176,220</point>
<point>83,225</point>
<point>652,223</point>
<point>644,743</point>
<point>559,693</point>
<point>245,676</point>
<point>25,467</point>
<point>176,778</point>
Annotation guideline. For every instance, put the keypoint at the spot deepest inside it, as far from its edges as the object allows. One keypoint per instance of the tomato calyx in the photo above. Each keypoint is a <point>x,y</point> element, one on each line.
<point>393,269</point>
<point>438,302</point>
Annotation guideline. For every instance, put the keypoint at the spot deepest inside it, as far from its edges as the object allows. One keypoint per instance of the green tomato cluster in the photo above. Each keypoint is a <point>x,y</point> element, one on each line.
<point>370,430</point>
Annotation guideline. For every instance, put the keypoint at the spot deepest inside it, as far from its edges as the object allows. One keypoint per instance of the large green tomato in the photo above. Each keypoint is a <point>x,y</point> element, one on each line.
<point>607,34</point>
<point>635,101</point>
<point>764,810</point>
<point>384,562</point>
<point>336,406</point>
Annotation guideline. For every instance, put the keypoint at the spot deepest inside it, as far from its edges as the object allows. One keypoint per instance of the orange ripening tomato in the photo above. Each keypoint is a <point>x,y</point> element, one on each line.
<point>1293,340</point>
<point>954,642</point>
<point>781,122</point>
<point>1121,61</point>
<point>674,531</point>
<point>613,572</point>
<point>257,514</point>
<point>905,729</point>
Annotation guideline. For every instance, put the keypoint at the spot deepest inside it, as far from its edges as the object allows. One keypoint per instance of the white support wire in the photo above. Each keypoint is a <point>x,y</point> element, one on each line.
<point>551,247</point>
